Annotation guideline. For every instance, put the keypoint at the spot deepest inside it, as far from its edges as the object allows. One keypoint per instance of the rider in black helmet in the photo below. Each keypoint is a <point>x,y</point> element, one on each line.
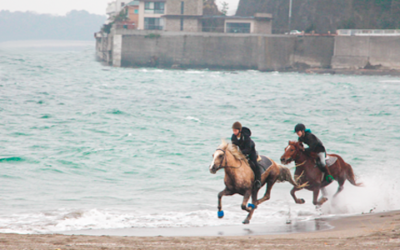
<point>241,138</point>
<point>314,145</point>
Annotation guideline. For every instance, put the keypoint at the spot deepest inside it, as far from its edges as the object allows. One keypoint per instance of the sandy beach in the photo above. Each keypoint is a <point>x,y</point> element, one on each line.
<point>371,231</point>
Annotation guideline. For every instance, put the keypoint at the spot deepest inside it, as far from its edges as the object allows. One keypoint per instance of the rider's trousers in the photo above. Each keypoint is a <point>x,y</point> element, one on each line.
<point>322,158</point>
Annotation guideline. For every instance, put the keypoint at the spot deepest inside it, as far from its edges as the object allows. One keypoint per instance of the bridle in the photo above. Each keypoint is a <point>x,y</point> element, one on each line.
<point>226,161</point>
<point>297,156</point>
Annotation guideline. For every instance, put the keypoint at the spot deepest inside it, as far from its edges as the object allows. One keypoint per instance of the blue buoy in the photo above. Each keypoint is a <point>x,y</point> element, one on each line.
<point>220,214</point>
<point>251,205</point>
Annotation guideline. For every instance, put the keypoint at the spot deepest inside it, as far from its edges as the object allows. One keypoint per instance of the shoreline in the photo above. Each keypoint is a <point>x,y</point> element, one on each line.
<point>319,71</point>
<point>362,72</point>
<point>369,231</point>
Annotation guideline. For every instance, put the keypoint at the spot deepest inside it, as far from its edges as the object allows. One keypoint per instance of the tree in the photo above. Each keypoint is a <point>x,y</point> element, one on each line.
<point>122,16</point>
<point>225,8</point>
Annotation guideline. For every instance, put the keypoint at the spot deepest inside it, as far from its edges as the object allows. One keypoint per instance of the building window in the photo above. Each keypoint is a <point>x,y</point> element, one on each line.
<point>181,24</point>
<point>153,23</point>
<point>237,27</point>
<point>148,7</point>
<point>182,7</point>
<point>154,7</point>
<point>136,11</point>
<point>158,8</point>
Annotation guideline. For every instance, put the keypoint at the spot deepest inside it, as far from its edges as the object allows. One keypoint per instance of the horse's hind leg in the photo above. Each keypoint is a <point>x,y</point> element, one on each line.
<point>340,188</point>
<point>222,193</point>
<point>267,194</point>
<point>246,198</point>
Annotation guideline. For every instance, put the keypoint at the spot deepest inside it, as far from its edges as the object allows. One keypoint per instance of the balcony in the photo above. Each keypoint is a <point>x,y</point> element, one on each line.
<point>154,11</point>
<point>153,27</point>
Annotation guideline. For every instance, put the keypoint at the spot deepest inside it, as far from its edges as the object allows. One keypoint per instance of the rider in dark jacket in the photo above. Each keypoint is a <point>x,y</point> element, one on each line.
<point>241,138</point>
<point>314,145</point>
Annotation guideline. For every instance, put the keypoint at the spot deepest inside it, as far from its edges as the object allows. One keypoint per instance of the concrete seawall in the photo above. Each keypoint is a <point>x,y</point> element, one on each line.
<point>354,52</point>
<point>129,48</point>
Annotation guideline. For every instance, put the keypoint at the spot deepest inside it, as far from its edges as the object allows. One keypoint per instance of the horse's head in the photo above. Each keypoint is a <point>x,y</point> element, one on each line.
<point>219,157</point>
<point>218,160</point>
<point>291,152</point>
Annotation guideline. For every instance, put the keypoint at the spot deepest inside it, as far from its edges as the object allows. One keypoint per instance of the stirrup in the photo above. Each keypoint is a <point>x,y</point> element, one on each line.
<point>329,178</point>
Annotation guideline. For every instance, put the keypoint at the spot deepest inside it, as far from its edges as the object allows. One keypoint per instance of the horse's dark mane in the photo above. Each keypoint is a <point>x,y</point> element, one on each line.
<point>298,144</point>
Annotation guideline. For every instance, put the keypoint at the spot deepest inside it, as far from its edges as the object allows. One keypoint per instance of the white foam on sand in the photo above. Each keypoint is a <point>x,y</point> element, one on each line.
<point>95,219</point>
<point>377,195</point>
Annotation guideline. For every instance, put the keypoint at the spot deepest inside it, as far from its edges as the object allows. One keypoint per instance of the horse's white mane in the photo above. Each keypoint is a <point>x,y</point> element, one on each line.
<point>233,149</point>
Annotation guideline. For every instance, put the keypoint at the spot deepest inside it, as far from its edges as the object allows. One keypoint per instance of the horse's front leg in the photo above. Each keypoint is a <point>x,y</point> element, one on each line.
<point>292,192</point>
<point>298,179</point>
<point>315,197</point>
<point>222,193</point>
<point>250,210</point>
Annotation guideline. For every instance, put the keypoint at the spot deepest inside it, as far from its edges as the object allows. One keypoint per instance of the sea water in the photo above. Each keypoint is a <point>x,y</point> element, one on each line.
<point>88,146</point>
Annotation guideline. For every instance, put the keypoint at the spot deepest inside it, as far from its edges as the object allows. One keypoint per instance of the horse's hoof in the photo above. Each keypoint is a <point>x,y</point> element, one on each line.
<point>301,201</point>
<point>323,200</point>
<point>246,222</point>
<point>221,214</point>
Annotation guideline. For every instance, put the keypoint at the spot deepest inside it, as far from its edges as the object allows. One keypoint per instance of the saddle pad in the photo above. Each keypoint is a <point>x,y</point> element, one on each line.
<point>330,160</point>
<point>264,164</point>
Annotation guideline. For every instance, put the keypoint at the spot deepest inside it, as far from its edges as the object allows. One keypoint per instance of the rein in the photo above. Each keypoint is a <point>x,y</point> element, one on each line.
<point>226,161</point>
<point>301,164</point>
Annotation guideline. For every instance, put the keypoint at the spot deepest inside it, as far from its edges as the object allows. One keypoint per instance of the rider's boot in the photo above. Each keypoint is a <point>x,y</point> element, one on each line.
<point>324,168</point>
<point>257,175</point>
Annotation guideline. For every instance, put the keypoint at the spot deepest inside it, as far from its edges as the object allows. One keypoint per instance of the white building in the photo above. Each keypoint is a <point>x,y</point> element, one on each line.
<point>113,8</point>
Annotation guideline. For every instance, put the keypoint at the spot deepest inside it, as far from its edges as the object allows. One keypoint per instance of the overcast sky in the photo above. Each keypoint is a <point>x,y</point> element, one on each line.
<point>62,7</point>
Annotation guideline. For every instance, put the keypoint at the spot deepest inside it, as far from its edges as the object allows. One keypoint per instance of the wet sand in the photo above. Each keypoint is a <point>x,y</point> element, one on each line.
<point>230,230</point>
<point>371,231</point>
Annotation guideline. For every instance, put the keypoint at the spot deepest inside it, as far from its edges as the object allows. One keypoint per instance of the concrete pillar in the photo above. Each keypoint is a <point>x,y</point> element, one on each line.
<point>262,53</point>
<point>116,51</point>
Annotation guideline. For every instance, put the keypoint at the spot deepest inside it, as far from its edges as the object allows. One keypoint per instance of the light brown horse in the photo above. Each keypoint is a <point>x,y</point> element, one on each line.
<point>310,176</point>
<point>239,177</point>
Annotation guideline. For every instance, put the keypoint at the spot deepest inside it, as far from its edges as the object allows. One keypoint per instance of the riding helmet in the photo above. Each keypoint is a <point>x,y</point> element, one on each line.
<point>237,125</point>
<point>299,127</point>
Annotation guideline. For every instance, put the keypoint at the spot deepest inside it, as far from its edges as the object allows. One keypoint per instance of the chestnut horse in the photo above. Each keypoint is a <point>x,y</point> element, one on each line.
<point>239,177</point>
<point>311,176</point>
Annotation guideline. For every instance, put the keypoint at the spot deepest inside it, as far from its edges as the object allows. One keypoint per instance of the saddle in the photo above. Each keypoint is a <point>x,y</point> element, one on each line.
<point>330,160</point>
<point>264,163</point>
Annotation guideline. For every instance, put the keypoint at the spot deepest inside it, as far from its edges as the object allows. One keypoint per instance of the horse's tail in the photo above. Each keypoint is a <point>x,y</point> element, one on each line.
<point>350,176</point>
<point>285,175</point>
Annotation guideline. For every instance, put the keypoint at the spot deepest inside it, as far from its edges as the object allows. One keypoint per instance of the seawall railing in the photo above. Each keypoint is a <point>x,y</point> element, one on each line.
<point>368,32</point>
